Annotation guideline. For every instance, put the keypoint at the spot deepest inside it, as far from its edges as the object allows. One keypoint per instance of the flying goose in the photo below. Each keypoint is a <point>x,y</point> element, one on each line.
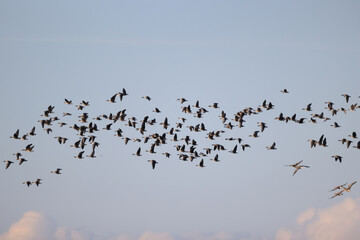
<point>8,163</point>
<point>138,152</point>
<point>15,135</point>
<point>57,171</point>
<point>147,98</point>
<point>337,157</point>
<point>272,147</point>
<point>28,183</point>
<point>348,188</point>
<point>338,194</point>
<point>347,97</point>
<point>201,164</point>
<point>337,187</point>
<point>153,163</point>
<point>284,90</point>
<point>21,160</point>
<point>37,182</point>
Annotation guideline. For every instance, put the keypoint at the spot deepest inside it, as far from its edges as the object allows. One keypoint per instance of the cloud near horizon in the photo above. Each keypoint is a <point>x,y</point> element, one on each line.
<point>338,222</point>
<point>37,226</point>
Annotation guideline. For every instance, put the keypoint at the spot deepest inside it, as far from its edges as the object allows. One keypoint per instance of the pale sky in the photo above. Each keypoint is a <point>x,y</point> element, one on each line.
<point>235,53</point>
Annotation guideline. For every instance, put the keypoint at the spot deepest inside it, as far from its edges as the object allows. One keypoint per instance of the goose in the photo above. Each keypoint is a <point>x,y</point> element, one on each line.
<point>348,188</point>
<point>83,103</point>
<point>297,168</point>
<point>147,98</point>
<point>348,143</point>
<point>80,155</point>
<point>353,135</point>
<point>301,120</point>
<point>156,110</point>
<point>338,194</point>
<point>32,132</point>
<point>29,148</point>
<point>68,102</point>
<point>262,126</point>
<point>335,125</point>
<point>215,105</point>
<point>21,160</point>
<point>182,100</point>
<point>312,120</point>
<point>337,187</point>
<point>312,142</point>
<point>165,123</point>
<point>255,134</point>
<point>92,154</point>
<point>15,135</point>
<point>37,182</point>
<point>57,171</point>
<point>24,137</point>
<point>18,155</point>
<point>337,157</point>
<point>76,144</point>
<point>153,163</point>
<point>272,147</point>
<point>284,90</point>
<point>243,146</point>
<point>347,97</point>
<point>353,107</point>
<point>166,154</point>
<point>216,158</point>
<point>308,107</point>
<point>48,130</point>
<point>28,183</point>
<point>8,163</point>
<point>201,164</point>
<point>112,99</point>
<point>358,145</point>
<point>234,150</point>
<point>138,152</point>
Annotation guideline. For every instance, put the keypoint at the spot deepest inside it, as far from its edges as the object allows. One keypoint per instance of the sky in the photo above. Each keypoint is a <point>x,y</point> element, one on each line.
<point>235,53</point>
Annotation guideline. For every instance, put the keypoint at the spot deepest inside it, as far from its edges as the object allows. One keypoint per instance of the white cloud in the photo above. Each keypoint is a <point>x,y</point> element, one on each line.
<point>32,226</point>
<point>37,226</point>
<point>341,221</point>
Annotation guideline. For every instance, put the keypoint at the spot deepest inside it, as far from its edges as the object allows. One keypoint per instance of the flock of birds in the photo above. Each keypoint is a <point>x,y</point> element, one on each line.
<point>187,149</point>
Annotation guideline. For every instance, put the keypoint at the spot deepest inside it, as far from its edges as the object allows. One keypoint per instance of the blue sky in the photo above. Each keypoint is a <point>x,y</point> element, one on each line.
<point>236,53</point>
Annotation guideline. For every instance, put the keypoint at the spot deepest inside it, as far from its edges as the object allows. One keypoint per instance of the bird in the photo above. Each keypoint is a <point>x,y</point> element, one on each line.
<point>353,135</point>
<point>80,155</point>
<point>68,102</point>
<point>22,160</point>
<point>347,97</point>
<point>338,194</point>
<point>57,171</point>
<point>348,188</point>
<point>234,150</point>
<point>138,152</point>
<point>308,107</point>
<point>335,125</point>
<point>112,99</point>
<point>147,98</point>
<point>201,164</point>
<point>338,187</point>
<point>29,148</point>
<point>297,166</point>
<point>28,183</point>
<point>272,147</point>
<point>153,163</point>
<point>337,157</point>
<point>37,182</point>
<point>284,90</point>
<point>255,134</point>
<point>216,158</point>
<point>32,132</point>
<point>8,163</point>
<point>15,135</point>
